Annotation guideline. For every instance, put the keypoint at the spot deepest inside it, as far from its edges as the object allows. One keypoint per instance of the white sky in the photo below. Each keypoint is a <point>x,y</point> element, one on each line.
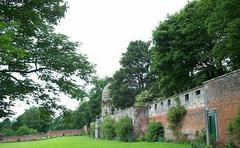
<point>105,27</point>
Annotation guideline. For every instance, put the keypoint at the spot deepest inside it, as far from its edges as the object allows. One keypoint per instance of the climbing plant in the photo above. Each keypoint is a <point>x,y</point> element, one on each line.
<point>175,116</point>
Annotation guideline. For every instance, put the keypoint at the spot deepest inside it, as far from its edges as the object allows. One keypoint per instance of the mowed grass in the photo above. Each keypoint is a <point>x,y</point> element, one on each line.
<point>87,142</point>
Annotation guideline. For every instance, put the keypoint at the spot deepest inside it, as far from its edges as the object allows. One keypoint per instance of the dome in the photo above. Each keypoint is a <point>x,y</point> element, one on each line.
<point>106,93</point>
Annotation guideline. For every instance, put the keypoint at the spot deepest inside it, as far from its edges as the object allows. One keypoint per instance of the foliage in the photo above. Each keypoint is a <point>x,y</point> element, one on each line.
<point>24,130</point>
<point>108,128</point>
<point>198,43</point>
<point>175,115</point>
<point>123,96</point>
<point>124,129</point>
<point>200,140</point>
<point>134,75</point>
<point>144,98</point>
<point>234,130</point>
<point>37,118</point>
<point>64,121</point>
<point>36,63</point>
<point>7,132</point>
<point>81,116</point>
<point>155,131</point>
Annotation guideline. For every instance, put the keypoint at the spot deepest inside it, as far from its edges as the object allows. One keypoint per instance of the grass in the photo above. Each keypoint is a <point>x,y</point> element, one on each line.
<point>86,142</point>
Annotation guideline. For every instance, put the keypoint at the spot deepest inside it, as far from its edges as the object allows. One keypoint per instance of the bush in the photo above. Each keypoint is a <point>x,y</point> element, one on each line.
<point>200,140</point>
<point>24,130</point>
<point>124,129</point>
<point>234,130</point>
<point>155,132</point>
<point>108,128</point>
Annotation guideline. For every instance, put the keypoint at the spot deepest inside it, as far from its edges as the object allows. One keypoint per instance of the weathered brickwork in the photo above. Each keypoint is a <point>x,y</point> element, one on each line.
<point>193,121</point>
<point>224,97</point>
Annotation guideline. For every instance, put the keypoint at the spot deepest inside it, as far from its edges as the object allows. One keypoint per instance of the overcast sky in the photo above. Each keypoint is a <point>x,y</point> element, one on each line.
<point>105,27</point>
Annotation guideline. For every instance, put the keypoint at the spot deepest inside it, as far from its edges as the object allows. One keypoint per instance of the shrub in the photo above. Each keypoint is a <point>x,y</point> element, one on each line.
<point>200,140</point>
<point>124,129</point>
<point>155,131</point>
<point>234,130</point>
<point>108,128</point>
<point>24,130</point>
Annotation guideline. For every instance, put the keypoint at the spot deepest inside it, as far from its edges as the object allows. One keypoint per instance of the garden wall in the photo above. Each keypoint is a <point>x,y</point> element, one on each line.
<point>40,136</point>
<point>224,97</point>
<point>194,102</point>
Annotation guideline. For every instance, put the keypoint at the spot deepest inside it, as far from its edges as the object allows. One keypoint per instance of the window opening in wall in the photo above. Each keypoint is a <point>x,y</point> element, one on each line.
<point>169,102</point>
<point>198,92</point>
<point>155,106</point>
<point>161,103</point>
<point>149,106</point>
<point>186,97</point>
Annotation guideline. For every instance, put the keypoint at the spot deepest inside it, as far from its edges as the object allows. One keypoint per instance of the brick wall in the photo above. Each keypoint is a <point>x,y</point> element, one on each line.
<point>40,136</point>
<point>224,96</point>
<point>64,133</point>
<point>193,121</point>
<point>25,137</point>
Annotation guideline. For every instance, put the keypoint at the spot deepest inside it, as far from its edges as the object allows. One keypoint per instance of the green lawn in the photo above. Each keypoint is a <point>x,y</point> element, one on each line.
<point>86,142</point>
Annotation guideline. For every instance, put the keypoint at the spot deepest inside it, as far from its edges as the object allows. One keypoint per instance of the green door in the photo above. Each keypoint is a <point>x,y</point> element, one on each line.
<point>212,126</point>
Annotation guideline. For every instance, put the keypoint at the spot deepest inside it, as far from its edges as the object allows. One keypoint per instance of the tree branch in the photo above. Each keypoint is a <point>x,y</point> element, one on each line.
<point>23,71</point>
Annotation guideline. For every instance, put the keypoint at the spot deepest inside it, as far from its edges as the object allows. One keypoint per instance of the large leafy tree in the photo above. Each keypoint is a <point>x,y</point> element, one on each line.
<point>37,118</point>
<point>36,63</point>
<point>189,48</point>
<point>64,121</point>
<point>134,75</point>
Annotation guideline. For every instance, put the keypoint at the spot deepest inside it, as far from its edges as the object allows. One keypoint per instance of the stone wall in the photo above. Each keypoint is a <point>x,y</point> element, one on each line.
<point>224,97</point>
<point>139,116</point>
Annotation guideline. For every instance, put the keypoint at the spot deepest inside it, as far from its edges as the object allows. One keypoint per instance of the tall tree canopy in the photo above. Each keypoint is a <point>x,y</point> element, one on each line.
<point>34,61</point>
<point>196,44</point>
<point>134,75</point>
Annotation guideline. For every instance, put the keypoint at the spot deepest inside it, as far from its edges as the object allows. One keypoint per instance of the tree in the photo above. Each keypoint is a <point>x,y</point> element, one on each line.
<point>136,62</point>
<point>144,98</point>
<point>64,121</point>
<point>34,60</point>
<point>36,118</point>
<point>223,27</point>
<point>24,130</point>
<point>190,48</point>
<point>134,75</point>
<point>82,116</point>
